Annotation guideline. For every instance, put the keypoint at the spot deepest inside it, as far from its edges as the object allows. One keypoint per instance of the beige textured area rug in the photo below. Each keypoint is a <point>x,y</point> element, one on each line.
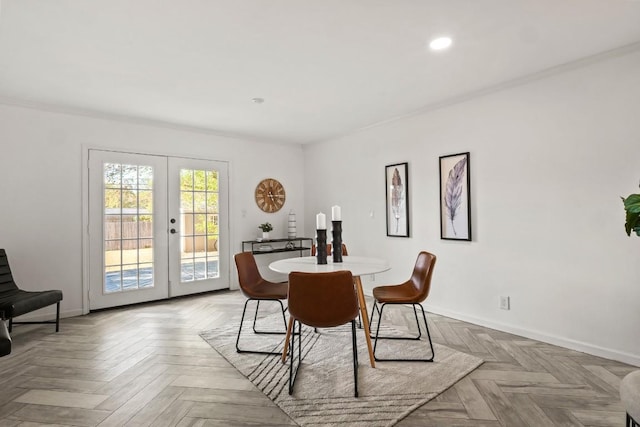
<point>323,392</point>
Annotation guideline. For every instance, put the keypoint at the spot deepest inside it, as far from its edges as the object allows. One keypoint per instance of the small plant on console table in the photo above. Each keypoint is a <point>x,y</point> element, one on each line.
<point>632,208</point>
<point>266,228</point>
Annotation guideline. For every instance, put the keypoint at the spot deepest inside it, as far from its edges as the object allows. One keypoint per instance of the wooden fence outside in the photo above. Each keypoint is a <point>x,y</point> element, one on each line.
<point>131,231</point>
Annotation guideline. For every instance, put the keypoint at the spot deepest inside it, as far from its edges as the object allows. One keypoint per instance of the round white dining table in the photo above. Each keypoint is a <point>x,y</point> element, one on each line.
<point>357,265</point>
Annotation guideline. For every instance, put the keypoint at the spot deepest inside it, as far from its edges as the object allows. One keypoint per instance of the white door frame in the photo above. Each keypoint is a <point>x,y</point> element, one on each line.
<point>85,209</point>
<point>176,286</point>
<point>137,293</point>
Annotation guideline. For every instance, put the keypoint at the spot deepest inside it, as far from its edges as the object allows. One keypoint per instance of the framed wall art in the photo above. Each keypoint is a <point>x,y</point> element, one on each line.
<point>455,203</point>
<point>397,190</point>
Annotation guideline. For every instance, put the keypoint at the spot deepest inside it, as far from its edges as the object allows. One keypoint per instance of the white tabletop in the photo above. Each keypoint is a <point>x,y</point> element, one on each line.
<point>357,265</point>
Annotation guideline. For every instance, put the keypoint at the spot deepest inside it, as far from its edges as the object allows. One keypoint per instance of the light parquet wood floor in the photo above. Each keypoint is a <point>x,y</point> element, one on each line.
<point>146,365</point>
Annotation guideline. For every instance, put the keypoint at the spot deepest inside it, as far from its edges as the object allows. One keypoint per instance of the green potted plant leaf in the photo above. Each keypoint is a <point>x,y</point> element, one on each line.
<point>632,208</point>
<point>266,228</point>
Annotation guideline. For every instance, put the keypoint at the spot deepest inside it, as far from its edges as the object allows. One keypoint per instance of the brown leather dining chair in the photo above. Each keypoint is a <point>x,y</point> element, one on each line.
<point>321,300</point>
<point>414,291</point>
<point>256,288</point>
<point>329,252</point>
<point>329,249</point>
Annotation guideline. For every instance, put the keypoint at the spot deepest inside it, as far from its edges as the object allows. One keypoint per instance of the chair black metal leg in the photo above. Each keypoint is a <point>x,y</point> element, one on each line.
<point>359,318</point>
<point>375,342</point>
<point>373,310</point>
<point>238,349</point>
<point>35,322</point>
<point>58,317</point>
<point>293,370</point>
<point>415,313</point>
<point>355,357</point>
<point>244,310</point>
<point>416,338</point>
<point>377,336</point>
<point>294,373</point>
<point>426,325</point>
<point>255,318</point>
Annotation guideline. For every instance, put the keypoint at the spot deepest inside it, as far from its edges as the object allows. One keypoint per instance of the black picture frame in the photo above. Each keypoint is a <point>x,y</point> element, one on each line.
<point>397,199</point>
<point>455,197</point>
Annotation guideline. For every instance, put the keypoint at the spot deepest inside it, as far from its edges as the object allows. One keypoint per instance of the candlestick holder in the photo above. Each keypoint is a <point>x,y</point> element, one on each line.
<point>321,246</point>
<point>337,241</point>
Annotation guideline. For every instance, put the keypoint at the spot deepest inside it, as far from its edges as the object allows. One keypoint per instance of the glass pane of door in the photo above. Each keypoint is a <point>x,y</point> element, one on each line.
<point>199,231</point>
<point>127,228</point>
<point>197,204</point>
<point>128,224</point>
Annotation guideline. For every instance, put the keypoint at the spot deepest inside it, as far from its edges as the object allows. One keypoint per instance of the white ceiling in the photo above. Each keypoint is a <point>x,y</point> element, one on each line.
<point>324,67</point>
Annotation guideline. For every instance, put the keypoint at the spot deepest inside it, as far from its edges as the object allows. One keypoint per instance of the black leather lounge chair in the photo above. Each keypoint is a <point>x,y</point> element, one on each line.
<point>16,302</point>
<point>5,339</point>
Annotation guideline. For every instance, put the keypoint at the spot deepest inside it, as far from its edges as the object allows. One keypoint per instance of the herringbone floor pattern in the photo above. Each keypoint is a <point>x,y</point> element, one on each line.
<point>146,365</point>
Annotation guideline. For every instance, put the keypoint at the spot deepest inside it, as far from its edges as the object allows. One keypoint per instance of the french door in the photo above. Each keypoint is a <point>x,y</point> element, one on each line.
<point>158,227</point>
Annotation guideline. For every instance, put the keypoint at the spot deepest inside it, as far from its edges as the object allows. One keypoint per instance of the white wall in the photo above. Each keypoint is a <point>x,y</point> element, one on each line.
<point>41,180</point>
<point>549,162</point>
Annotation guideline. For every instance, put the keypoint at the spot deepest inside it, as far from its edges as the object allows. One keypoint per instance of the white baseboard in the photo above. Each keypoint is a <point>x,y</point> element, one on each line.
<point>607,353</point>
<point>631,359</point>
<point>42,315</point>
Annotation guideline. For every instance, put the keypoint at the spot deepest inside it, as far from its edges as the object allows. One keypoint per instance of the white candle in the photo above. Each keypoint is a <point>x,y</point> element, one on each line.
<point>336,214</point>
<point>321,221</point>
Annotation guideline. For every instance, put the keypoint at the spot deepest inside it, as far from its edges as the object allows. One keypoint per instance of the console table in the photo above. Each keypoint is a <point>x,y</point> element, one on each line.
<point>270,246</point>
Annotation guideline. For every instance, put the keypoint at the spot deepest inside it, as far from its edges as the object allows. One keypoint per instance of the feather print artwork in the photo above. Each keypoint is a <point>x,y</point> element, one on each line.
<point>397,196</point>
<point>453,194</point>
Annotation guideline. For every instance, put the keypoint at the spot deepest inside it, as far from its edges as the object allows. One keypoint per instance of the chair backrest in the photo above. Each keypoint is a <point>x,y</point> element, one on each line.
<point>6,279</point>
<point>248,274</point>
<point>322,300</point>
<point>329,249</point>
<point>422,272</point>
<point>314,250</point>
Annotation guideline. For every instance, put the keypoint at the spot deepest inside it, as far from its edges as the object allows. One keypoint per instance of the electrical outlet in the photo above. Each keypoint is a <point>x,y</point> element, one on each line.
<point>505,303</point>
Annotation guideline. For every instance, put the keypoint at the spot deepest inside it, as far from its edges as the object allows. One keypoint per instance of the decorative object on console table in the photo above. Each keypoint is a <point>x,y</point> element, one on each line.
<point>397,194</point>
<point>321,244</point>
<point>291,225</point>
<point>455,199</point>
<point>266,228</point>
<point>336,221</point>
<point>258,246</point>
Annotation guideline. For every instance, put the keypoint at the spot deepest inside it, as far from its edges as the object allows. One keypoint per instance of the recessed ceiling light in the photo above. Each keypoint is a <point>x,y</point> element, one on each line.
<point>257,100</point>
<point>440,43</point>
